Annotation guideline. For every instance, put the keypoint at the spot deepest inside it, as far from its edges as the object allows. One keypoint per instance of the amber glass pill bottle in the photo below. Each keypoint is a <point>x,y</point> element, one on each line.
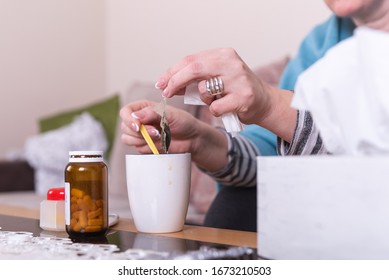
<point>86,195</point>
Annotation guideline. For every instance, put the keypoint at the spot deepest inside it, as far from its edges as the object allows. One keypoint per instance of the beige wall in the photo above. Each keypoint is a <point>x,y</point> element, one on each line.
<point>145,37</point>
<point>60,54</point>
<point>51,58</point>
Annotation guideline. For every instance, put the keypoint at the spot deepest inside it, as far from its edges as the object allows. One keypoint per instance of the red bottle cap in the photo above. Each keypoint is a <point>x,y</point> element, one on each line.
<point>56,194</point>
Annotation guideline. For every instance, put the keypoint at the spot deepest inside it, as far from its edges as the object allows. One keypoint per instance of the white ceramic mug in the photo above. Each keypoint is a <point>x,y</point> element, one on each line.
<point>158,191</point>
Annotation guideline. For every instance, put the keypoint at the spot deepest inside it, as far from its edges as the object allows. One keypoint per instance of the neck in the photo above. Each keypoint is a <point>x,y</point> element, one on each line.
<point>375,17</point>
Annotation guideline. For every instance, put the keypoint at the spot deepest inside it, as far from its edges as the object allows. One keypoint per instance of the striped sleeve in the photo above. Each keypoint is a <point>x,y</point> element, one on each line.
<point>242,166</point>
<point>306,139</point>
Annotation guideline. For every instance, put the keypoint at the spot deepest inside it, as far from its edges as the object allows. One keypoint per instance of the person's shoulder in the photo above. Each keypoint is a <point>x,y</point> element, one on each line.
<point>336,28</point>
<point>326,35</point>
<point>314,46</point>
<point>331,22</point>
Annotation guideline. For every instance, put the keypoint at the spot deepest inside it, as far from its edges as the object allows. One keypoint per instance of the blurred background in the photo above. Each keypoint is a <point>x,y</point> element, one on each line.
<point>57,55</point>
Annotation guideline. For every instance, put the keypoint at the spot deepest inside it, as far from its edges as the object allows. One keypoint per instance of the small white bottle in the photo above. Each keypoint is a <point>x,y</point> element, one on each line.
<point>52,210</point>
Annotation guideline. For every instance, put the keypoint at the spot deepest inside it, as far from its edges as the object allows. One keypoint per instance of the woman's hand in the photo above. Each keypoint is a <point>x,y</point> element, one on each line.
<point>254,101</point>
<point>207,145</point>
<point>243,92</point>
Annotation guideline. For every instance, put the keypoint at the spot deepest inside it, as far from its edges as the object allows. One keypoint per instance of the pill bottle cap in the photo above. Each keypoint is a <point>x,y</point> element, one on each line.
<point>85,156</point>
<point>56,194</point>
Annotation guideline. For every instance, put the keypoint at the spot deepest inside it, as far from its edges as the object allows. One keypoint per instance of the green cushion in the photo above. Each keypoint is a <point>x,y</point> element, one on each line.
<point>105,111</point>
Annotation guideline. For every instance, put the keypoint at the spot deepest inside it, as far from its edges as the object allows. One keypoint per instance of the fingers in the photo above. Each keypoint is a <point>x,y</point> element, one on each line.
<point>196,67</point>
<point>131,131</point>
<point>163,81</point>
<point>183,78</point>
<point>139,112</point>
<point>222,105</point>
<point>204,94</point>
<point>140,146</point>
<point>131,138</point>
<point>132,116</point>
<point>241,91</point>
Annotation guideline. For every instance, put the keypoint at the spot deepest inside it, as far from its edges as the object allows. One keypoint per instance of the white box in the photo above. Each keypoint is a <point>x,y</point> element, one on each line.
<point>323,207</point>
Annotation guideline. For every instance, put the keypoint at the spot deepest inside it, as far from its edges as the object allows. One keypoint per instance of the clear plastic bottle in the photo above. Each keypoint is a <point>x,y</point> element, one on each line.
<point>86,194</point>
<point>52,210</point>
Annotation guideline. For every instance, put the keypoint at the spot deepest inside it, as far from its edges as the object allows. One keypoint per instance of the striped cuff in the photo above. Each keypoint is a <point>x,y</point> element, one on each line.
<point>242,165</point>
<point>306,138</point>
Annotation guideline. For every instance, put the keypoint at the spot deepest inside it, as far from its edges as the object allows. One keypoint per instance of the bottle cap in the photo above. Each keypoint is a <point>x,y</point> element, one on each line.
<point>86,156</point>
<point>86,153</point>
<point>56,194</point>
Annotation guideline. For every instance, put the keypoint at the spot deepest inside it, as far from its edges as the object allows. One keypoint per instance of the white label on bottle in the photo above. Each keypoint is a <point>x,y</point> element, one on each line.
<point>67,203</point>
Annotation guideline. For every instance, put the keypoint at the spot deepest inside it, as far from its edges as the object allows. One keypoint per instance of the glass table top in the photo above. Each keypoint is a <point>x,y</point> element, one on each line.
<point>22,238</point>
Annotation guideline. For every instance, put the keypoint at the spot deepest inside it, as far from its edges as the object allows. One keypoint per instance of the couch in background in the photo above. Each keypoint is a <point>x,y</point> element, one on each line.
<point>17,177</point>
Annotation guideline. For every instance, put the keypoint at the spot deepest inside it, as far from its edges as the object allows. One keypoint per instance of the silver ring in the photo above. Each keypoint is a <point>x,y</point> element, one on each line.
<point>214,86</point>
